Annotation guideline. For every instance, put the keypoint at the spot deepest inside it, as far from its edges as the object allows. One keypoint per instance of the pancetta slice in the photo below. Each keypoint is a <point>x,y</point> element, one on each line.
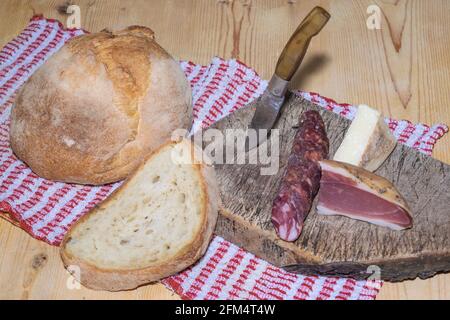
<point>356,193</point>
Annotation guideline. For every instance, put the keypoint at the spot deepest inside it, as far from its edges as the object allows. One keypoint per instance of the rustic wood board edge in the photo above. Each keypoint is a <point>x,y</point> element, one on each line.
<point>293,259</point>
<point>255,234</point>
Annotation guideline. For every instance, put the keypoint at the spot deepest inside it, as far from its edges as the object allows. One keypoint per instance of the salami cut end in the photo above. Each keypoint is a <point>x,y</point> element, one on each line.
<point>288,226</point>
<point>359,194</point>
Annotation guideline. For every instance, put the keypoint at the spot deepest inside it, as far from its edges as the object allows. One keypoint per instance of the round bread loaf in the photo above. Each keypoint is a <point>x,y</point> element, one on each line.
<point>98,106</point>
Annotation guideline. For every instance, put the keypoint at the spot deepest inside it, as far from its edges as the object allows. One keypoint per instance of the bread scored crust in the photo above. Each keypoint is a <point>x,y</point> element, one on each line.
<point>99,106</point>
<point>115,279</point>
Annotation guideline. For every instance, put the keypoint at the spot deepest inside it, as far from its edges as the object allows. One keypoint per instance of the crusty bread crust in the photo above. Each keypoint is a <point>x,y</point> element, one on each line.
<point>99,106</point>
<point>117,280</point>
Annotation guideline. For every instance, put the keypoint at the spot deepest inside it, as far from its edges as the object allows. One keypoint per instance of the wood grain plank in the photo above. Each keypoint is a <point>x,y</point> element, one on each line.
<point>31,269</point>
<point>347,62</point>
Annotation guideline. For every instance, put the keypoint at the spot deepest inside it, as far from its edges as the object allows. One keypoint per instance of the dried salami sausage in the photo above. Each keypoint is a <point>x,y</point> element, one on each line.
<point>301,179</point>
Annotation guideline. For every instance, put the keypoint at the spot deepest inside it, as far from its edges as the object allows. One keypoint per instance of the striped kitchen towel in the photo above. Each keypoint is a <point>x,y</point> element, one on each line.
<point>46,209</point>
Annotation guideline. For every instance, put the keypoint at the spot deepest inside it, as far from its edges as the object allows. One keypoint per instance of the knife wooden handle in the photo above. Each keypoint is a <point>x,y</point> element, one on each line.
<point>295,49</point>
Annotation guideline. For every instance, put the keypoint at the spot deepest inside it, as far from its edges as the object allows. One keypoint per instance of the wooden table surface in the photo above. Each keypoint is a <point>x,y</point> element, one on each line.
<point>401,69</point>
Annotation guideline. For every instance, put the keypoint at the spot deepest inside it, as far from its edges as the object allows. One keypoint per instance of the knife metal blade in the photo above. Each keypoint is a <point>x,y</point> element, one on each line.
<point>269,105</point>
<point>267,110</point>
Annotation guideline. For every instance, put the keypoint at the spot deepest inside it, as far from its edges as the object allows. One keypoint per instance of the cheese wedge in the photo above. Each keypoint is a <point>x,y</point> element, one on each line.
<point>356,193</point>
<point>368,141</point>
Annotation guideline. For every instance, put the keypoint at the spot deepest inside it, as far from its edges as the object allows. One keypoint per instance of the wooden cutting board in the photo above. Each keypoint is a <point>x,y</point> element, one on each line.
<point>339,246</point>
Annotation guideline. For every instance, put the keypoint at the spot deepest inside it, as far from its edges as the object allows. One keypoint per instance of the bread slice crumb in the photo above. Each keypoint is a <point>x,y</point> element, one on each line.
<point>156,224</point>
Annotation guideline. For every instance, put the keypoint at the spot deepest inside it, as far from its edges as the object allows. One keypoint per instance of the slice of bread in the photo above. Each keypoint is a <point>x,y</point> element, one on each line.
<point>159,222</point>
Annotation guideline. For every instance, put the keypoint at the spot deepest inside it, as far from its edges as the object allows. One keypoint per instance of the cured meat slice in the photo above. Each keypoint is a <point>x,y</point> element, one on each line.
<point>301,179</point>
<point>356,193</point>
